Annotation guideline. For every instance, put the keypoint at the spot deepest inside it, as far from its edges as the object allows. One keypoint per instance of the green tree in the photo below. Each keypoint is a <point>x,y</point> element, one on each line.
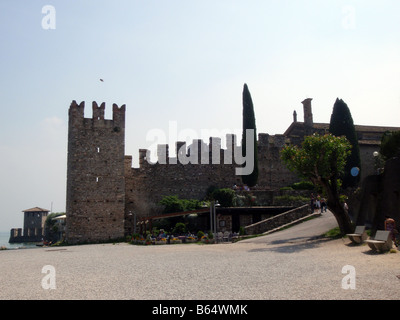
<point>173,204</point>
<point>342,124</point>
<point>180,228</point>
<point>249,122</point>
<point>390,144</point>
<point>322,159</point>
<point>225,196</point>
<point>50,226</point>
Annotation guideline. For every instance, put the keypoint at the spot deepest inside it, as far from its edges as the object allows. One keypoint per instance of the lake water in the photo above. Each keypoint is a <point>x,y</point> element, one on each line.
<point>5,236</point>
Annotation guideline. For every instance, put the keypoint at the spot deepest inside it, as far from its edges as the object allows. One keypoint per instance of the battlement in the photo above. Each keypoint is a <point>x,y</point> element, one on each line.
<point>76,110</point>
<point>76,113</point>
<point>29,235</point>
<point>199,152</point>
<point>98,112</point>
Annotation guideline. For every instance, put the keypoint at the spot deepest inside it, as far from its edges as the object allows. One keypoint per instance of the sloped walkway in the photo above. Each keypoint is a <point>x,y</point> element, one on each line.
<point>300,230</point>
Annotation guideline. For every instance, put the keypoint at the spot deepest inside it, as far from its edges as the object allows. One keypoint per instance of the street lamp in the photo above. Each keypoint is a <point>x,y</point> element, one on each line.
<point>216,204</point>
<point>376,157</point>
<point>213,218</point>
<point>134,220</point>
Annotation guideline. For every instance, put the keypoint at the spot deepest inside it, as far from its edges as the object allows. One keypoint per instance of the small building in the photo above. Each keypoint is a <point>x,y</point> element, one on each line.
<point>33,231</point>
<point>60,223</point>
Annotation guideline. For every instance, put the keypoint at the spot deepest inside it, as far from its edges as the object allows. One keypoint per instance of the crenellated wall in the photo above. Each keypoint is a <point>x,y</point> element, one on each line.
<point>29,235</point>
<point>207,166</point>
<point>105,193</point>
<point>95,175</point>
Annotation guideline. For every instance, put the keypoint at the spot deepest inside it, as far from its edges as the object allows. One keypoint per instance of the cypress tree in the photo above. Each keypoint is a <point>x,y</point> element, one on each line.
<point>342,124</point>
<point>249,122</point>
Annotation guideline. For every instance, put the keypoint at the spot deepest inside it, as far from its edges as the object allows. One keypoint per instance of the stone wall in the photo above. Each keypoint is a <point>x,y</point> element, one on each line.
<point>103,190</point>
<point>278,220</point>
<point>231,219</point>
<point>380,197</point>
<point>29,235</point>
<point>34,219</point>
<point>146,185</point>
<point>95,175</point>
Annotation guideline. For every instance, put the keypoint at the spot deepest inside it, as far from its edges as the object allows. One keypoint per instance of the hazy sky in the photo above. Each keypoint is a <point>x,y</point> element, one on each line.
<point>185,63</point>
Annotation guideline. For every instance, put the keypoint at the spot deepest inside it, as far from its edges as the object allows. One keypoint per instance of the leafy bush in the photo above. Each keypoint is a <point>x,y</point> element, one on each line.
<point>174,204</point>
<point>286,189</point>
<point>226,197</point>
<point>303,185</point>
<point>290,200</point>
<point>179,228</point>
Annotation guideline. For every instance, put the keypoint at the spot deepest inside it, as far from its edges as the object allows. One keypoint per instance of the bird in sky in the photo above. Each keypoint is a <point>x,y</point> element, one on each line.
<point>101,80</point>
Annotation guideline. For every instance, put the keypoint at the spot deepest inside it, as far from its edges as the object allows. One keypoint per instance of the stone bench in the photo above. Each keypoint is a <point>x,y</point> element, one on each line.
<point>359,235</point>
<point>382,241</point>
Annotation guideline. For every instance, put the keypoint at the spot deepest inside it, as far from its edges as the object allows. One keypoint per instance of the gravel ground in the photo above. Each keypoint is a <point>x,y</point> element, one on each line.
<point>299,268</point>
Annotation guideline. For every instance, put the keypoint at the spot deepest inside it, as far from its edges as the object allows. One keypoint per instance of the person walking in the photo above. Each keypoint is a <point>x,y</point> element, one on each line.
<point>323,205</point>
<point>318,203</point>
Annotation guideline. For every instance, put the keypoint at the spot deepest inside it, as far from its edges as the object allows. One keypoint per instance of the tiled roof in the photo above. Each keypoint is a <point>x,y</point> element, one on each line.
<point>375,128</point>
<point>359,128</point>
<point>36,209</point>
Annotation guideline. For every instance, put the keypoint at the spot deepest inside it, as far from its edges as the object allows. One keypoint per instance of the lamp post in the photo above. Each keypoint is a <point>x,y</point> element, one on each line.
<point>216,204</point>
<point>134,220</point>
<point>212,204</point>
<point>213,218</point>
<point>376,157</point>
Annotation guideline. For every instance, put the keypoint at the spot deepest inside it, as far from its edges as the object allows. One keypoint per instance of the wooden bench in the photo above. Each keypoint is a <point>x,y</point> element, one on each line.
<point>359,235</point>
<point>382,241</point>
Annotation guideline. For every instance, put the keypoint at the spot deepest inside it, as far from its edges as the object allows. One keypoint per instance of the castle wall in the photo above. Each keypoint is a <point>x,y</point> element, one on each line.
<point>273,174</point>
<point>367,159</point>
<point>146,185</point>
<point>380,197</point>
<point>105,194</point>
<point>95,175</point>
<point>29,235</point>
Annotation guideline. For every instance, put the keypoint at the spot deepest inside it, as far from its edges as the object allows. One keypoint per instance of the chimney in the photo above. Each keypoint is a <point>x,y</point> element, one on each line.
<point>308,117</point>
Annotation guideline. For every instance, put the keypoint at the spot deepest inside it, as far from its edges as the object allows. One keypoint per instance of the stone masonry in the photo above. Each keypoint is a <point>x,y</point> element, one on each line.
<point>146,185</point>
<point>104,191</point>
<point>95,175</point>
<point>34,223</point>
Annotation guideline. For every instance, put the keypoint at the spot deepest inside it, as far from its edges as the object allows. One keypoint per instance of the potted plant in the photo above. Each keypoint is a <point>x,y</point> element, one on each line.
<point>210,237</point>
<point>191,239</point>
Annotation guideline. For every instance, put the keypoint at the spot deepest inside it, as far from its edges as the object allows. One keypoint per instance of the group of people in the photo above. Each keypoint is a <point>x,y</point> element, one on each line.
<point>244,187</point>
<point>318,203</point>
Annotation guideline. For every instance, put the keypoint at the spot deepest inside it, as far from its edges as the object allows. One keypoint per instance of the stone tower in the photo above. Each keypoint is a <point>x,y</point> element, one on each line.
<point>95,175</point>
<point>34,223</point>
